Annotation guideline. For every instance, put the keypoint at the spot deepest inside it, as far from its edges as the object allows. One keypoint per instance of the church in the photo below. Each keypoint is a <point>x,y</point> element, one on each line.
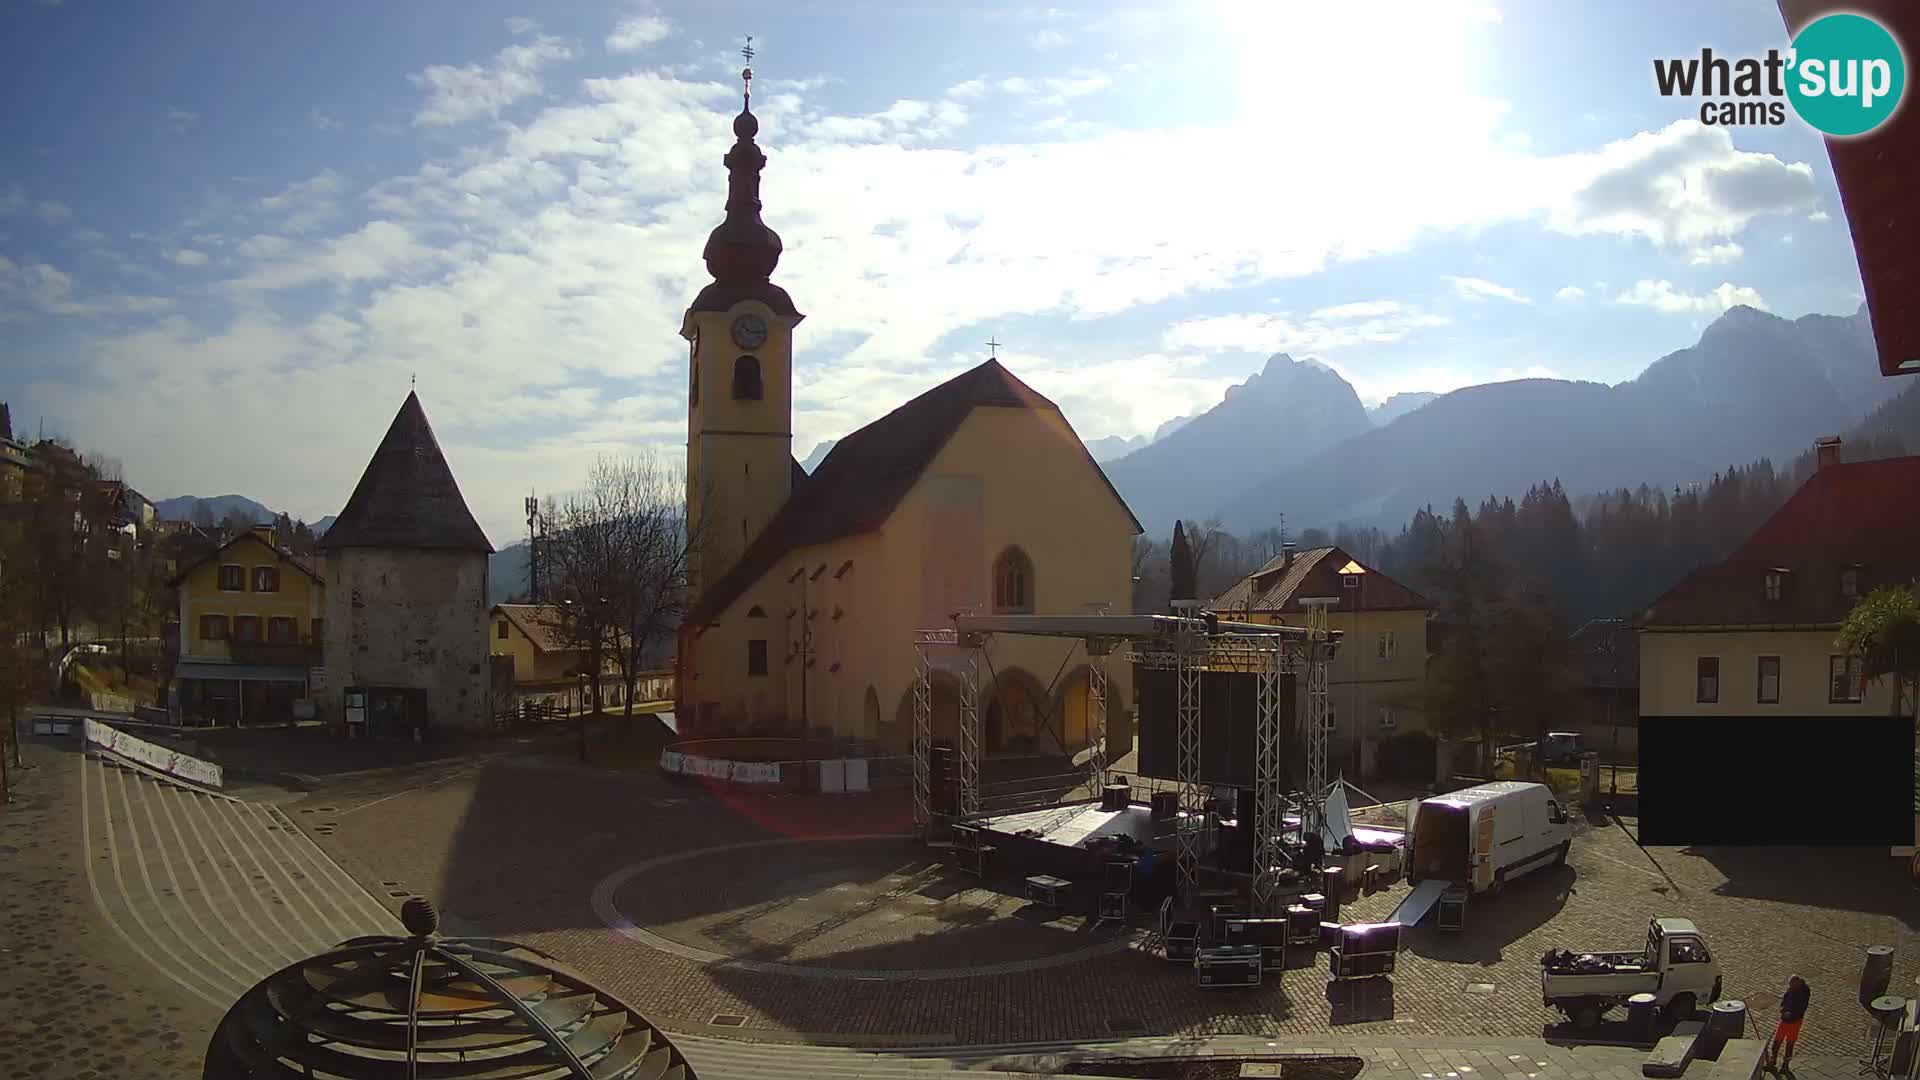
<point>805,591</point>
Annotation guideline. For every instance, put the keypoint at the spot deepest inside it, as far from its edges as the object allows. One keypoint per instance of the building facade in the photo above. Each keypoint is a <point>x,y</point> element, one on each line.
<point>250,625</point>
<point>534,661</point>
<point>806,590</point>
<point>1753,636</point>
<point>406,608</point>
<point>1376,683</point>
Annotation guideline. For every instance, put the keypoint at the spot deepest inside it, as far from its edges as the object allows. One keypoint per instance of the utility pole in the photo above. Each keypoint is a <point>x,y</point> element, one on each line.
<point>533,548</point>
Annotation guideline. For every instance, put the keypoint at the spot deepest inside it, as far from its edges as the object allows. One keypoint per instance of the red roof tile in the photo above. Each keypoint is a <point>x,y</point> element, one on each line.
<point>1316,572</point>
<point>857,486</point>
<point>1863,515</point>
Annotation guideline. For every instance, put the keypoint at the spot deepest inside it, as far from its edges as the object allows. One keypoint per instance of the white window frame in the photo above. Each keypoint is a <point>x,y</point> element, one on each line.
<point>1386,647</point>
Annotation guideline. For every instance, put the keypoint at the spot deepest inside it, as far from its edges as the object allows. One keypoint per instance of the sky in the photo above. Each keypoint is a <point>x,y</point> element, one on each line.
<point>233,235</point>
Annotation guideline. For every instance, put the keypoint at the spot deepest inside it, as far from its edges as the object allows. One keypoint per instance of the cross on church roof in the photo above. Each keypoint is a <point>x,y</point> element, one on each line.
<point>993,349</point>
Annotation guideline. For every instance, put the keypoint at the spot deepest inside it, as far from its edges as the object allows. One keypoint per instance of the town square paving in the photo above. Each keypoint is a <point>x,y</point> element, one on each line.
<point>133,908</point>
<point>522,848</point>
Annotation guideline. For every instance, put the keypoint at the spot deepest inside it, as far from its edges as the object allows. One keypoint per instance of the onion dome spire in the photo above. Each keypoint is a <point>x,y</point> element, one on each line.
<point>742,248</point>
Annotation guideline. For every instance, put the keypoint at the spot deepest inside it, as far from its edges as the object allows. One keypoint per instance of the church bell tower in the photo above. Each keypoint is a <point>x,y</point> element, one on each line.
<point>739,333</point>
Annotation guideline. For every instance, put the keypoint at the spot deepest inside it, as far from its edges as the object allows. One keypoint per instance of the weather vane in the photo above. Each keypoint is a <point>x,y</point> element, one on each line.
<point>746,73</point>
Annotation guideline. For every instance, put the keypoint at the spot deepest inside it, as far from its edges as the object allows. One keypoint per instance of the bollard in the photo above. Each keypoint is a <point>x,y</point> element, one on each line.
<point>1641,1009</point>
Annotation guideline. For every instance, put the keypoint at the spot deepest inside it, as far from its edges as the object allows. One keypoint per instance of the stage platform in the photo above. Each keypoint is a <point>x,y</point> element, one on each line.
<point>1074,825</point>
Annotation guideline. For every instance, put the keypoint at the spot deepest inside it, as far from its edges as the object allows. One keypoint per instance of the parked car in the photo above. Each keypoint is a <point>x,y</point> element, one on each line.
<point>1676,966</point>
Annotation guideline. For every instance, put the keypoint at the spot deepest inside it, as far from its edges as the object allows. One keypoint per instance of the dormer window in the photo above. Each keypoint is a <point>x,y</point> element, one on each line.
<point>1775,583</point>
<point>1850,582</point>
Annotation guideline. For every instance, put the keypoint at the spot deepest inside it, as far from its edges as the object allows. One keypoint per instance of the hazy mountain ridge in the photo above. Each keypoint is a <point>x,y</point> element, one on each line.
<point>1400,405</point>
<point>1755,385</point>
<point>1283,414</point>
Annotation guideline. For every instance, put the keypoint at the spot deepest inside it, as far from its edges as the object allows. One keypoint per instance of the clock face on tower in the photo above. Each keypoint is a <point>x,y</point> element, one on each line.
<point>749,331</point>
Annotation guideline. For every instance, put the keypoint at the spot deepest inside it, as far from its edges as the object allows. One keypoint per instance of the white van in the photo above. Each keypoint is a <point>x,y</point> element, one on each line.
<point>1484,836</point>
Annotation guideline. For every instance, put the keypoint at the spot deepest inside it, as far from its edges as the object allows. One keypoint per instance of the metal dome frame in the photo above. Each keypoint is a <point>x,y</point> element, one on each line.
<point>423,1006</point>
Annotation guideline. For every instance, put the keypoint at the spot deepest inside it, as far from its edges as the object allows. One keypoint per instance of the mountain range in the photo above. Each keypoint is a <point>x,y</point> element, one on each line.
<point>1755,385</point>
<point>184,507</point>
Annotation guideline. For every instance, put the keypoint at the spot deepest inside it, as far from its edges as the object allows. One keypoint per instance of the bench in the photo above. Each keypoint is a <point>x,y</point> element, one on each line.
<point>1046,889</point>
<point>1739,1060</point>
<point>1671,1054</point>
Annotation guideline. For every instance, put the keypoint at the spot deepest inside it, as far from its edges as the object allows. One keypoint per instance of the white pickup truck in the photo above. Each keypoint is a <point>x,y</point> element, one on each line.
<point>1676,967</point>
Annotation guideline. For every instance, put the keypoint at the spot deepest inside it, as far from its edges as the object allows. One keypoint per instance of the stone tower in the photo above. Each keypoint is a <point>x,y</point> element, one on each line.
<point>739,332</point>
<point>406,569</point>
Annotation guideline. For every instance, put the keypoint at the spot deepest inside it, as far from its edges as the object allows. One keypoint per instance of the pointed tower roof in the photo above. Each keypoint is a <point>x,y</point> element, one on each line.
<point>407,498</point>
<point>742,251</point>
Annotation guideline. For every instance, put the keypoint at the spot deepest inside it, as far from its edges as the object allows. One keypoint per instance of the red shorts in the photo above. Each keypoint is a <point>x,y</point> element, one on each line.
<point>1788,1031</point>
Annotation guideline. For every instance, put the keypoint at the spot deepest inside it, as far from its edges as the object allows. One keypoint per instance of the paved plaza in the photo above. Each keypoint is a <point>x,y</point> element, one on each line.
<point>774,933</point>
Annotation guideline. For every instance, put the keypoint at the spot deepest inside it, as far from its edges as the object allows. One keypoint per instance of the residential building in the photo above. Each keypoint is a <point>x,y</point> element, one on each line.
<point>806,591</point>
<point>406,616</point>
<point>534,660</point>
<point>16,460</point>
<point>250,630</point>
<point>1753,636</point>
<point>1376,683</point>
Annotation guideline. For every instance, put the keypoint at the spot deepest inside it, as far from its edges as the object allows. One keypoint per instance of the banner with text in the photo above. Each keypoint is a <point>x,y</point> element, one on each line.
<point>158,758</point>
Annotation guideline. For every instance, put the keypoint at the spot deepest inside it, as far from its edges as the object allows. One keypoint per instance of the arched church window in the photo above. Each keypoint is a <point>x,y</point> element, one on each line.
<point>746,379</point>
<point>1013,582</point>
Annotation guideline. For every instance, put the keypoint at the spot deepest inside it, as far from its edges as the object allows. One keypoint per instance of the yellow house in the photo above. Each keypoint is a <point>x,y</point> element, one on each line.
<point>1753,637</point>
<point>806,591</point>
<point>1377,678</point>
<point>250,632</point>
<point>534,658</point>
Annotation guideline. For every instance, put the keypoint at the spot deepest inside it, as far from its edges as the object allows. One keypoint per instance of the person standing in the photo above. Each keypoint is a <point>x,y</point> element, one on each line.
<point>1793,1010</point>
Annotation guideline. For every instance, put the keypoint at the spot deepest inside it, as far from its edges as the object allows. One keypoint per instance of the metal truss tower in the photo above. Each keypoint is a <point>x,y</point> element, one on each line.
<point>923,645</point>
<point>969,727</point>
<point>1313,814</point>
<point>1268,782</point>
<point>1097,653</point>
<point>1189,659</point>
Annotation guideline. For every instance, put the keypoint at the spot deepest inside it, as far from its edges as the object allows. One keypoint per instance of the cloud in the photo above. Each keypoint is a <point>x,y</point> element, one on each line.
<point>305,204</point>
<point>39,288</point>
<point>1473,288</point>
<point>1818,215</point>
<point>636,32</point>
<point>1048,39</point>
<point>53,213</point>
<point>322,122</point>
<point>378,250</point>
<point>1328,329</point>
<point>520,27</point>
<point>13,199</point>
<point>1718,253</point>
<point>1663,296</point>
<point>179,120</point>
<point>539,267</point>
<point>1570,292</point>
<point>1685,187</point>
<point>456,95</point>
<point>188,257</point>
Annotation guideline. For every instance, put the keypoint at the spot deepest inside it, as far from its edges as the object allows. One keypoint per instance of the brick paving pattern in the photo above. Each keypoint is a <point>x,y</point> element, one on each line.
<point>75,1002</point>
<point>518,849</point>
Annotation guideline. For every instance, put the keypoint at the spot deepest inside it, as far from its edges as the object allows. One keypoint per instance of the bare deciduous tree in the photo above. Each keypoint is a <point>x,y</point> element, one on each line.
<point>615,560</point>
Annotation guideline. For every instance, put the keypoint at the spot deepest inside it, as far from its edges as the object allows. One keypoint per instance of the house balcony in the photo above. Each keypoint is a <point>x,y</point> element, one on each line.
<point>267,654</point>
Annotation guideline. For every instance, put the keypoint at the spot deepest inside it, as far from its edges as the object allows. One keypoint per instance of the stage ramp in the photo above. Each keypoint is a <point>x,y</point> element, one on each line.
<point>1418,902</point>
